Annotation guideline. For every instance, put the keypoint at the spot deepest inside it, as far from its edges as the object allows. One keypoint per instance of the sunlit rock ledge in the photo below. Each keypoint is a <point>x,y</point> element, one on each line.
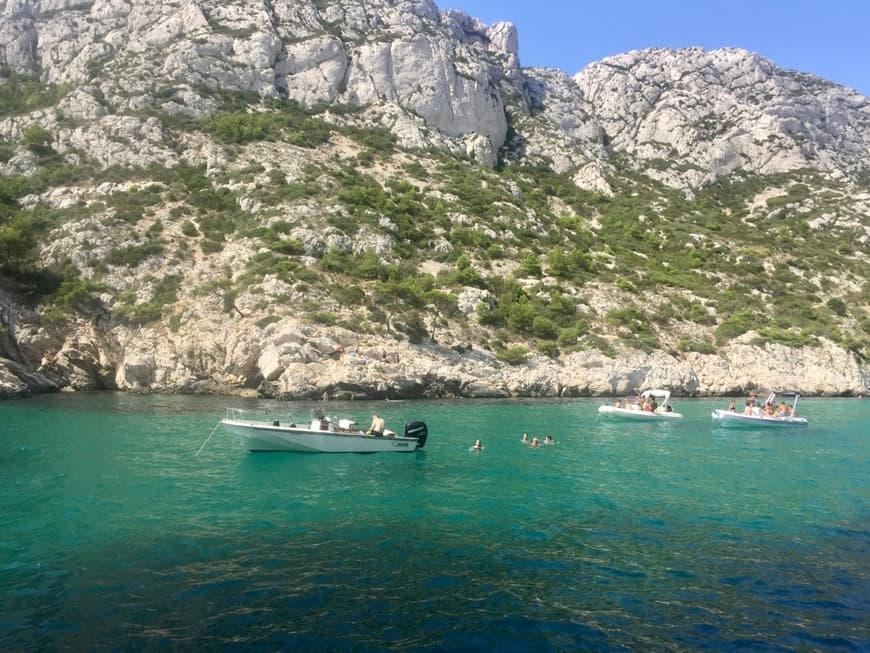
<point>292,365</point>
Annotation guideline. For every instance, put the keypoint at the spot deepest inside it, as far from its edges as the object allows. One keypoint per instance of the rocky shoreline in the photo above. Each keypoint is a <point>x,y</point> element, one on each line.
<point>290,361</point>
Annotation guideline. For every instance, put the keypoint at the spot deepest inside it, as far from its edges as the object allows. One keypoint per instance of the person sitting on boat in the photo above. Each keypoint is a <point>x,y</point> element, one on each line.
<point>378,426</point>
<point>783,410</point>
<point>732,406</point>
<point>769,409</point>
<point>618,403</point>
<point>749,405</point>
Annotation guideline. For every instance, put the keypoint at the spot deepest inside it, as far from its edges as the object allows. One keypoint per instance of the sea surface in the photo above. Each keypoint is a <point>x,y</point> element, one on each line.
<point>131,523</point>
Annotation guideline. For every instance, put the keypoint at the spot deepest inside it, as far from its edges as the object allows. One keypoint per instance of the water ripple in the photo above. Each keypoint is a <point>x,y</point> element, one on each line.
<point>115,535</point>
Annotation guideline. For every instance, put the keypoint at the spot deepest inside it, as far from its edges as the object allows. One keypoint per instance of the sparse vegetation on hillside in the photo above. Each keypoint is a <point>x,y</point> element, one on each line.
<point>353,239</point>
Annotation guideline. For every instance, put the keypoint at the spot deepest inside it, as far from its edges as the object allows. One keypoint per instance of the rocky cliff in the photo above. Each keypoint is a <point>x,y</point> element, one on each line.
<point>174,290</point>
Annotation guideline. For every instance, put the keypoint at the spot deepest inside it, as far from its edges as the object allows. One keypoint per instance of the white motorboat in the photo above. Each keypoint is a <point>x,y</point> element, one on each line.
<point>632,411</point>
<point>729,419</point>
<point>321,434</point>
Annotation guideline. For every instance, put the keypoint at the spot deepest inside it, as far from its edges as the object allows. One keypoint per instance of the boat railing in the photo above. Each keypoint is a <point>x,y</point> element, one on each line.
<point>244,414</point>
<point>319,421</point>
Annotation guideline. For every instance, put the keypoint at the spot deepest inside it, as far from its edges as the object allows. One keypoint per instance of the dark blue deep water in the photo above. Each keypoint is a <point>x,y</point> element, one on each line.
<point>116,535</point>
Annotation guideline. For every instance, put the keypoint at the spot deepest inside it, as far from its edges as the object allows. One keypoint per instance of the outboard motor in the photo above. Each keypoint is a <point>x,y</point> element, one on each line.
<point>417,430</point>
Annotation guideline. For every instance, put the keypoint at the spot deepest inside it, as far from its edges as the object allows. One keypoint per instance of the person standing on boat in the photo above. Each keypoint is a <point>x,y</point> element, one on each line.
<point>378,425</point>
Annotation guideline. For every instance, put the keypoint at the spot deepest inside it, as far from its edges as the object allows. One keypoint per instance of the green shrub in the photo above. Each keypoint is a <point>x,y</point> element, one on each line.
<point>548,348</point>
<point>377,139</point>
<point>466,275</point>
<point>290,124</point>
<point>166,290</point>
<point>263,322</point>
<point>700,346</point>
<point>629,317</point>
<point>575,265</point>
<point>76,294</point>
<point>736,325</point>
<point>592,341</point>
<point>133,255</point>
<point>530,266</point>
<point>209,246</point>
<point>217,200</point>
<point>569,337</point>
<point>286,246</point>
<point>785,337</point>
<point>138,313</point>
<point>37,139</point>
<point>520,313</point>
<point>837,305</point>
<point>323,317</point>
<point>543,327</point>
<point>513,355</point>
<point>189,229</point>
<point>21,94</point>
<point>131,204</point>
<point>624,284</point>
<point>561,309</point>
<point>18,240</point>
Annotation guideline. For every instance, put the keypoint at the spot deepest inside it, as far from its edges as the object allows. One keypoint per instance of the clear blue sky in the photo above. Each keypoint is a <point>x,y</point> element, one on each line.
<point>828,38</point>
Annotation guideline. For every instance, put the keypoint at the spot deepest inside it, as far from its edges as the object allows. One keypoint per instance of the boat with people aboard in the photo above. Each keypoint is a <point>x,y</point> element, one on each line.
<point>322,434</point>
<point>650,406</point>
<point>754,416</point>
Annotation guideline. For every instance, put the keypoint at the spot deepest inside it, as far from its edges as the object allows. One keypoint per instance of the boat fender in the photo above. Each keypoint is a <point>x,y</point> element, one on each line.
<point>276,423</point>
<point>417,430</point>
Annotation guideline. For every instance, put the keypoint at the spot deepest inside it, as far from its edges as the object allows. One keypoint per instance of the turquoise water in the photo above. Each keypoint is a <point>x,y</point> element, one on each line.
<point>116,535</point>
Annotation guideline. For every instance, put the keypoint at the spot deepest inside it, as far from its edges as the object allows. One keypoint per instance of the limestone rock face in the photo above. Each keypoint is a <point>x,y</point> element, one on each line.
<point>811,370</point>
<point>313,70</point>
<point>435,78</point>
<point>18,381</point>
<point>563,129</point>
<point>292,360</point>
<point>717,111</point>
<point>446,69</point>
